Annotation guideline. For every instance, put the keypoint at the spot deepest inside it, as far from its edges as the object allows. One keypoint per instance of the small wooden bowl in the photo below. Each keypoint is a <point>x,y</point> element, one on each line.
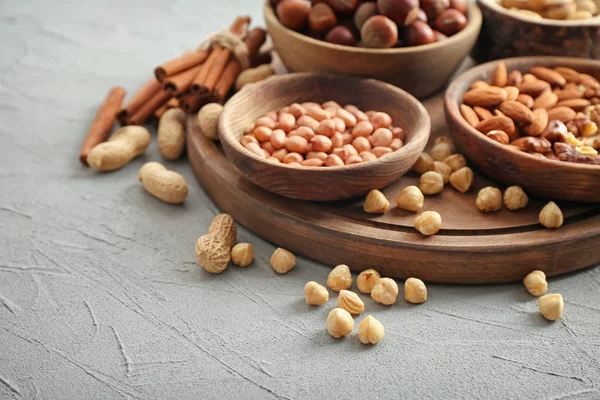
<point>323,183</point>
<point>508,34</point>
<point>420,70</point>
<point>541,176</point>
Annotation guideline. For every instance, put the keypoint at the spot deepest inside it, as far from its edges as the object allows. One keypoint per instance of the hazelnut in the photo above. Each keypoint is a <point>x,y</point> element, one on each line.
<point>370,330</point>
<point>410,198</point>
<point>293,13</point>
<point>456,162</point>
<point>423,164</point>
<point>350,302</point>
<point>339,323</point>
<point>376,202</point>
<point>535,283</point>
<point>242,254</point>
<point>343,6</point>
<point>366,280</point>
<point>450,22</point>
<point>460,5</point>
<point>379,32</point>
<point>551,216</point>
<point>402,12</point>
<point>321,18</point>
<point>441,151</point>
<point>462,179</point>
<point>489,199</point>
<point>551,306</point>
<point>340,278</point>
<point>341,35</point>
<point>315,294</point>
<point>439,36</point>
<point>385,291</point>
<point>433,7</point>
<point>431,182</point>
<point>515,198</point>
<point>443,169</point>
<point>282,261</point>
<point>363,13</point>
<point>428,223</point>
<point>444,139</point>
<point>419,33</point>
<point>415,291</point>
<point>421,16</point>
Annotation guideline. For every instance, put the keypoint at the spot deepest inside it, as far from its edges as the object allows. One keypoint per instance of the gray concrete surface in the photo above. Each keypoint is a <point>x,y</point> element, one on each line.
<point>101,295</point>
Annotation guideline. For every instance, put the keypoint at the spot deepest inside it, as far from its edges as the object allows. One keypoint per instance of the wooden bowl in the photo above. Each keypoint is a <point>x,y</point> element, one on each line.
<point>549,178</point>
<point>420,70</point>
<point>323,183</point>
<point>508,34</point>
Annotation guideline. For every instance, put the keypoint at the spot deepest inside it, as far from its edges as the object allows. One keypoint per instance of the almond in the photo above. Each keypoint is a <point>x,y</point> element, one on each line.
<point>533,87</point>
<point>511,92</point>
<point>546,100</point>
<point>485,97</point>
<point>589,80</point>
<point>498,136</point>
<point>504,124</point>
<point>500,75</point>
<point>570,93</point>
<point>548,75</point>
<point>479,85</point>
<point>499,113</point>
<point>563,114</point>
<point>515,78</point>
<point>526,99</point>
<point>469,115</point>
<point>483,113</point>
<point>539,123</point>
<point>575,104</point>
<point>518,112</point>
<point>569,74</point>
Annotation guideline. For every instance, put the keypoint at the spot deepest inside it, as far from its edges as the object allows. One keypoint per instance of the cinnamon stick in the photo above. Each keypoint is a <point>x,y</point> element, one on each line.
<point>182,81</point>
<point>103,122</point>
<point>149,107</point>
<point>146,92</point>
<point>256,37</point>
<point>179,64</point>
<point>198,83</point>
<point>261,58</point>
<point>193,101</point>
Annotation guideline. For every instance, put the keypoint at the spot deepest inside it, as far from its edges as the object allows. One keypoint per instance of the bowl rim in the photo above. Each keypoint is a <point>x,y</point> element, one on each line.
<point>474,21</point>
<point>558,23</point>
<point>420,137</point>
<point>453,97</point>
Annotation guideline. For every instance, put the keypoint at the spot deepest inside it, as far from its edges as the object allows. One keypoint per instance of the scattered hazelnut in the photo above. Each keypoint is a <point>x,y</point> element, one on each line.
<point>376,202</point>
<point>385,291</point>
<point>428,223</point>
<point>350,302</point>
<point>415,291</point>
<point>402,12</point>
<point>423,164</point>
<point>419,33</point>
<point>340,278</point>
<point>489,199</point>
<point>551,216</point>
<point>315,294</point>
<point>339,323</point>
<point>370,330</point>
<point>410,198</point>
<point>341,35</point>
<point>242,254</point>
<point>515,198</point>
<point>282,261</point>
<point>551,306</point>
<point>431,182</point>
<point>443,169</point>
<point>456,161</point>
<point>379,32</point>
<point>441,151</point>
<point>535,283</point>
<point>366,280</point>
<point>462,179</point>
<point>293,13</point>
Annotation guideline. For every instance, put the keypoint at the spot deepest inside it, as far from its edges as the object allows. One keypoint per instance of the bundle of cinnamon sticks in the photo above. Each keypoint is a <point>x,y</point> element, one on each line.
<point>189,82</point>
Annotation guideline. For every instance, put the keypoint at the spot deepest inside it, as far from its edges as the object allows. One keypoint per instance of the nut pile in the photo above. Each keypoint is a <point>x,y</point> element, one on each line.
<point>317,135</point>
<point>380,24</point>
<point>553,9</point>
<point>549,113</point>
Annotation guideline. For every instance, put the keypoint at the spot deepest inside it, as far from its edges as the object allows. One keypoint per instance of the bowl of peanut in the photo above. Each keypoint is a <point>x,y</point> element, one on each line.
<point>398,41</point>
<point>532,122</point>
<point>323,137</point>
<point>514,28</point>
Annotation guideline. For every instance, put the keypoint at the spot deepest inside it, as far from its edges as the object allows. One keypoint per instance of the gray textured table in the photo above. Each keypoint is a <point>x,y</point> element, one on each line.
<point>101,295</point>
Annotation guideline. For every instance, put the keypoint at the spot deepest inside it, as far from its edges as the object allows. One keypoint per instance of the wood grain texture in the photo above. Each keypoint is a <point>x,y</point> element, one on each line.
<point>544,177</point>
<point>420,70</point>
<point>323,183</point>
<point>471,247</point>
<point>507,34</point>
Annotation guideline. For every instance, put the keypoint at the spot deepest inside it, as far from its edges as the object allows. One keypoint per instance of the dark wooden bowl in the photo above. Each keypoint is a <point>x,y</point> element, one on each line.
<point>420,70</point>
<point>541,176</point>
<point>323,183</point>
<point>508,34</point>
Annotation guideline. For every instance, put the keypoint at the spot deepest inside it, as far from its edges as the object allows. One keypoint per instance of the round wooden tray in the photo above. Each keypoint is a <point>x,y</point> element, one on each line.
<point>471,247</point>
